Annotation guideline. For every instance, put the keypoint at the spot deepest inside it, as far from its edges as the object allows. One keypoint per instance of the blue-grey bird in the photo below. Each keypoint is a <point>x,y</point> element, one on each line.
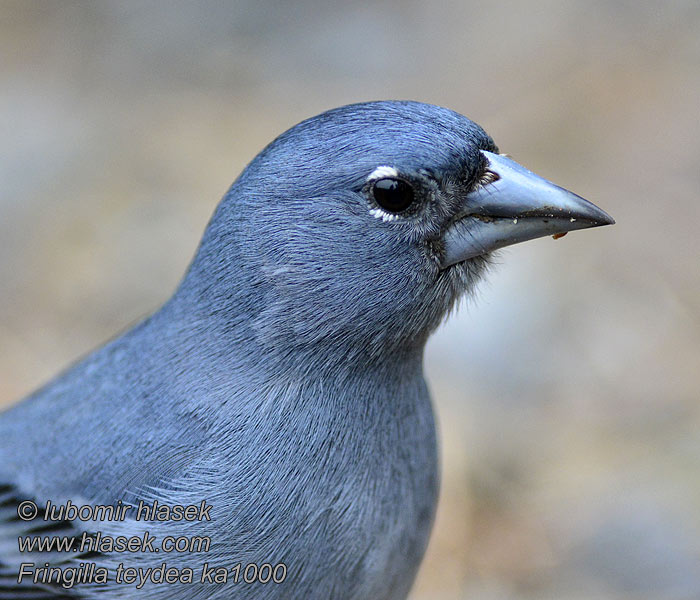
<point>282,383</point>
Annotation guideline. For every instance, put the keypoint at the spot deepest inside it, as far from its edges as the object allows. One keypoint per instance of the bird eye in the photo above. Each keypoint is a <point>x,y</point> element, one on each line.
<point>393,195</point>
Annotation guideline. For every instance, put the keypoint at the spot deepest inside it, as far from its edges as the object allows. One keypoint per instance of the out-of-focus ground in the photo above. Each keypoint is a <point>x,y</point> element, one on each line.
<point>568,393</point>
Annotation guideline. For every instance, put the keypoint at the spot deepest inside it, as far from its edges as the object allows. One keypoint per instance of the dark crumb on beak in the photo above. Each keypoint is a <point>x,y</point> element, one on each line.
<point>556,236</point>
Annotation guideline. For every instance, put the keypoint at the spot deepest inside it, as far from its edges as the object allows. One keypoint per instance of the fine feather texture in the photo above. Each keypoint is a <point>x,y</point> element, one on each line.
<point>282,382</point>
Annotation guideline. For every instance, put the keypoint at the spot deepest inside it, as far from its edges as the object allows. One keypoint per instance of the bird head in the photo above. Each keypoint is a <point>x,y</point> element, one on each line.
<point>358,229</point>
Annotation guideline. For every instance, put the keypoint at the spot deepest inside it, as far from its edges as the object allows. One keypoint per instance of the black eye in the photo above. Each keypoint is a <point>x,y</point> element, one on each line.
<point>393,195</point>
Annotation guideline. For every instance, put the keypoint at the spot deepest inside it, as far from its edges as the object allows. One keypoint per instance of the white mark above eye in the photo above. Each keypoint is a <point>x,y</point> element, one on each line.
<point>383,171</point>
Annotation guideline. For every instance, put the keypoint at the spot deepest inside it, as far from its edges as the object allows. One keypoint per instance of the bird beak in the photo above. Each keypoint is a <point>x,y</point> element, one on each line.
<point>515,206</point>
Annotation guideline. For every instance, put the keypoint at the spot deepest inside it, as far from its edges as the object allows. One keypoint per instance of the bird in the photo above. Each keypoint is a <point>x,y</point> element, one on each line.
<point>280,389</point>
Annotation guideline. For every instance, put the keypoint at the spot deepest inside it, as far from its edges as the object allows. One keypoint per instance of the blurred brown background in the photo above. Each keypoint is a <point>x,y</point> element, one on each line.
<point>567,394</point>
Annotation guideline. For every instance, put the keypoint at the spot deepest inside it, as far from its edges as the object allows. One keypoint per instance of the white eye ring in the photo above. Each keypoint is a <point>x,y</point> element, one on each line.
<point>383,215</point>
<point>381,172</point>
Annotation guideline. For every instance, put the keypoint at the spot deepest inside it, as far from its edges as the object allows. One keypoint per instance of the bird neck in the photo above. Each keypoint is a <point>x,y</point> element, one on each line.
<point>241,308</point>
